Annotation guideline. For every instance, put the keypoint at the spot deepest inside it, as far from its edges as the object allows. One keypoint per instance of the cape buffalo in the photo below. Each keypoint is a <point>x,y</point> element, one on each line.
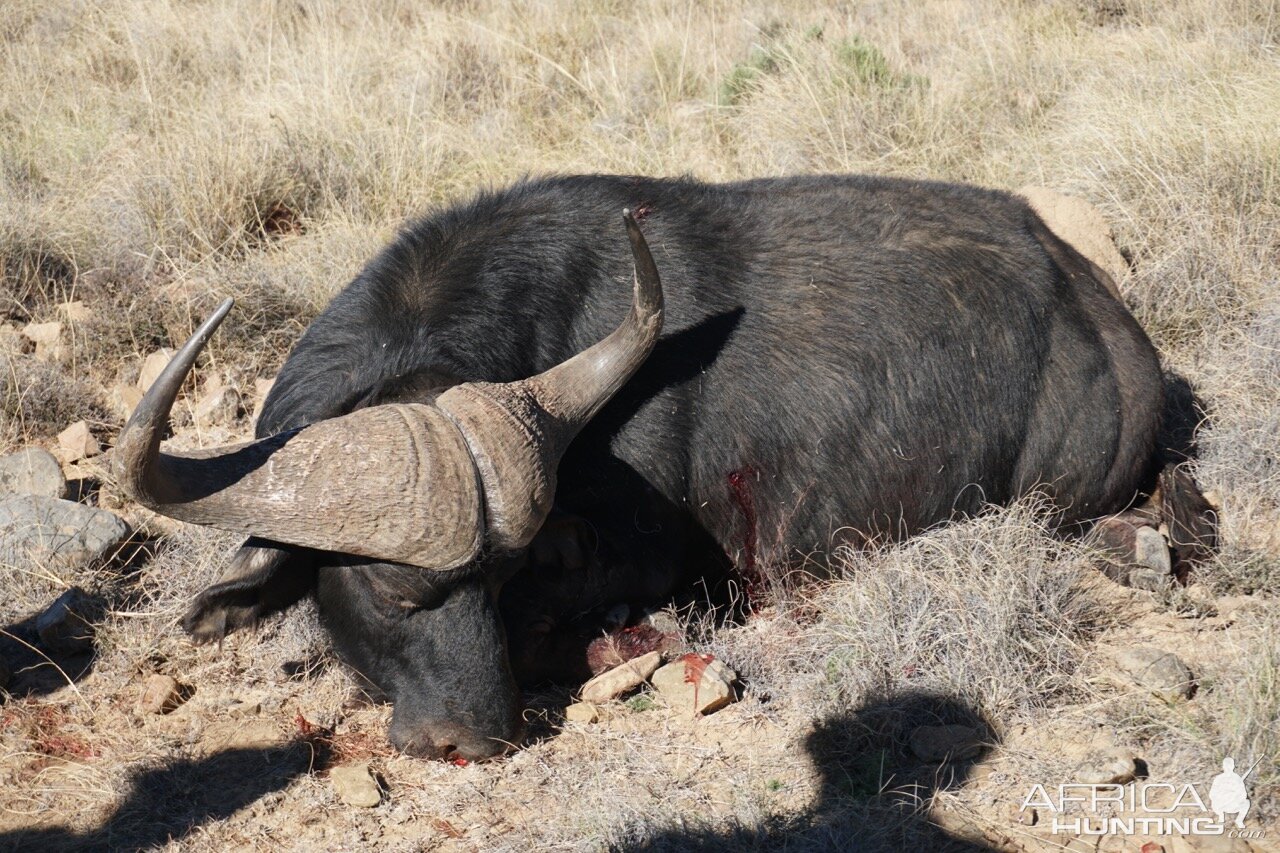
<point>842,358</point>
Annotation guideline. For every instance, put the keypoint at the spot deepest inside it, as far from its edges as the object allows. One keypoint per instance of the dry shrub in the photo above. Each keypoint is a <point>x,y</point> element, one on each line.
<point>39,399</point>
<point>995,612</point>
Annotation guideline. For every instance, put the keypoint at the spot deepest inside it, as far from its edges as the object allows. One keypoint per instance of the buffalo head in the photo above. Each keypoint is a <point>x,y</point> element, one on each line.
<point>406,516</point>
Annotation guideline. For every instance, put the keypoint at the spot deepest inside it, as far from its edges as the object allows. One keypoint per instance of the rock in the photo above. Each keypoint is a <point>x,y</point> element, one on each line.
<point>1079,223</point>
<point>78,443</point>
<point>1152,551</point>
<point>152,365</point>
<point>66,626</point>
<point>76,312</point>
<point>162,694</point>
<point>945,743</point>
<point>218,405</point>
<point>354,784</point>
<point>621,679</point>
<point>56,533</point>
<point>582,712</point>
<point>695,684</point>
<point>125,398</point>
<point>48,340</point>
<point>1161,672</point>
<point>32,471</point>
<point>1110,767</point>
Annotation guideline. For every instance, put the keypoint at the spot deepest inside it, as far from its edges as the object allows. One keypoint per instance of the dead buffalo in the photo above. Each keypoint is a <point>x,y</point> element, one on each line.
<point>466,441</point>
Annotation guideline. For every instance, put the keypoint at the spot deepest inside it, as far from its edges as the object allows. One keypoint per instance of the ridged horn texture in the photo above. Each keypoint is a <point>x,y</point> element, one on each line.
<point>408,483</point>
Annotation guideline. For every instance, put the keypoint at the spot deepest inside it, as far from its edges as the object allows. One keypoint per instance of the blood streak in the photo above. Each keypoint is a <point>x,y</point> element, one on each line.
<point>743,497</point>
<point>695,666</point>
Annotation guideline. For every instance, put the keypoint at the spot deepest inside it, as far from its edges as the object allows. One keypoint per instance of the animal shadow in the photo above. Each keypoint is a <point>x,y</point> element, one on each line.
<point>169,801</point>
<point>874,792</point>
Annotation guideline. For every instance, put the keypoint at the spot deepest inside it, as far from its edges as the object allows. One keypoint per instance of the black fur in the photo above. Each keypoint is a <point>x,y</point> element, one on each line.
<point>844,358</point>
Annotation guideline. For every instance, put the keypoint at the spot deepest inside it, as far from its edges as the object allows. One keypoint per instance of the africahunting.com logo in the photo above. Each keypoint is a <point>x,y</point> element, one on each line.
<point>1157,808</point>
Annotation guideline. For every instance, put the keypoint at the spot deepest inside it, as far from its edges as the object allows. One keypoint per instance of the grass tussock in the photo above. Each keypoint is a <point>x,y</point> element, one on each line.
<point>156,158</point>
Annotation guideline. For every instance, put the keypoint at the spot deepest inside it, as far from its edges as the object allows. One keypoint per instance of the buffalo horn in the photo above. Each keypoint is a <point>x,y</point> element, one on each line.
<point>427,485</point>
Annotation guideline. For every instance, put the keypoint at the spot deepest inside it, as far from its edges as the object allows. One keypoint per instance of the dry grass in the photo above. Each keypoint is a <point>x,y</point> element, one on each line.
<point>155,157</point>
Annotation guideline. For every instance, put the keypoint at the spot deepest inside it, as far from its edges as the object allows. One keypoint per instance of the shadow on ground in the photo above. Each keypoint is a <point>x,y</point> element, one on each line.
<point>39,671</point>
<point>170,801</point>
<point>874,793</point>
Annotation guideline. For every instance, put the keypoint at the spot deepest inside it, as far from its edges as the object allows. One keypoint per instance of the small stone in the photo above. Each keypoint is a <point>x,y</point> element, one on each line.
<point>695,684</point>
<point>65,627</point>
<point>218,405</point>
<point>354,784</point>
<point>125,398</point>
<point>78,443</point>
<point>945,743</point>
<point>621,679</point>
<point>582,712</point>
<point>1152,551</point>
<point>1161,672</point>
<point>42,333</point>
<point>1111,767</point>
<point>48,340</point>
<point>55,533</point>
<point>162,694</point>
<point>76,312</point>
<point>32,471</point>
<point>152,366</point>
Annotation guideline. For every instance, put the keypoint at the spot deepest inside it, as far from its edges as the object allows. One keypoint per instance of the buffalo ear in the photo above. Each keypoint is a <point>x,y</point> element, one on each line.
<point>263,578</point>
